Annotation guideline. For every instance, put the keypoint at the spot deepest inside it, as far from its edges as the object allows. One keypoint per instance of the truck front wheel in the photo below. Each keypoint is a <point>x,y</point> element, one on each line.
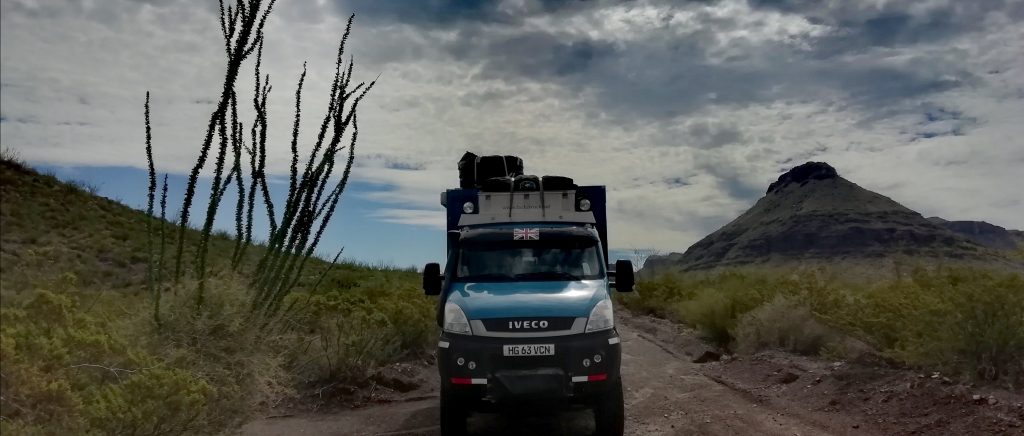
<point>609,412</point>
<point>453,414</point>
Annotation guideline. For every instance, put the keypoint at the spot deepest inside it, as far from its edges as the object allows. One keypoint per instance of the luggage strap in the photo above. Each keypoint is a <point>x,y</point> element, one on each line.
<point>543,212</point>
<point>511,195</point>
<point>512,191</point>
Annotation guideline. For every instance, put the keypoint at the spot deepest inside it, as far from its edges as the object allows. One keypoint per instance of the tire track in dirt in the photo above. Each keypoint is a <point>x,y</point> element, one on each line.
<point>665,395</point>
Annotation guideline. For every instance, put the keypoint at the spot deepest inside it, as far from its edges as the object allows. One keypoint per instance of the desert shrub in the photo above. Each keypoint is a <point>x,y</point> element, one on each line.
<point>82,186</point>
<point>221,344</point>
<point>783,323</point>
<point>710,303</point>
<point>82,363</point>
<point>12,157</point>
<point>352,331</point>
<point>157,401</point>
<point>86,357</point>
<point>958,320</point>
<point>67,371</point>
<point>656,295</point>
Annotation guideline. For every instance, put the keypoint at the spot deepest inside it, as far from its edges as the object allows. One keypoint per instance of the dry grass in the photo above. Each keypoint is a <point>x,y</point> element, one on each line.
<point>967,321</point>
<point>80,353</point>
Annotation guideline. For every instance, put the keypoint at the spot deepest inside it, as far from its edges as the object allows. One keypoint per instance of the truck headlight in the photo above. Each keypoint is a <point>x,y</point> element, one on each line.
<point>455,320</point>
<point>601,317</point>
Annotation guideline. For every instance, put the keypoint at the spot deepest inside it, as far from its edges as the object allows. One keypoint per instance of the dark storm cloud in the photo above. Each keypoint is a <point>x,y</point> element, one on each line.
<point>533,55</point>
<point>110,13</point>
<point>861,25</point>
<point>670,85</point>
<point>732,175</point>
<point>708,135</point>
<point>665,74</point>
<point>446,13</point>
<point>881,85</point>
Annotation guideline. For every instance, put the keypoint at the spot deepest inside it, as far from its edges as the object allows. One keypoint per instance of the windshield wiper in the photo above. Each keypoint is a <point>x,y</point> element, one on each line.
<point>485,277</point>
<point>548,274</point>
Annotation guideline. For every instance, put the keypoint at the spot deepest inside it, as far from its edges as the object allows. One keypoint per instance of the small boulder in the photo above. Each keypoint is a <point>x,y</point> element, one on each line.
<point>397,377</point>
<point>702,353</point>
<point>788,377</point>
<point>960,391</point>
<point>707,356</point>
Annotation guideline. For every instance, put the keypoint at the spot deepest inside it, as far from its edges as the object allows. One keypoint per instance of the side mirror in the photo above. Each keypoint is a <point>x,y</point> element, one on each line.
<point>432,279</point>
<point>624,278</point>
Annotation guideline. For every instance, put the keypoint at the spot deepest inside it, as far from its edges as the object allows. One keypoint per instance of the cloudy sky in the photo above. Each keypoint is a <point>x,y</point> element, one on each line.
<point>685,110</point>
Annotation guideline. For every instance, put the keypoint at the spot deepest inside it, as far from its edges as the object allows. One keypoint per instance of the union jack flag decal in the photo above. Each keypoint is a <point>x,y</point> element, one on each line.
<point>526,234</point>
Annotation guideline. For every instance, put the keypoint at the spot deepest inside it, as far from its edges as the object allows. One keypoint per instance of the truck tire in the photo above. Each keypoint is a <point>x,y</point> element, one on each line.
<point>609,412</point>
<point>453,414</point>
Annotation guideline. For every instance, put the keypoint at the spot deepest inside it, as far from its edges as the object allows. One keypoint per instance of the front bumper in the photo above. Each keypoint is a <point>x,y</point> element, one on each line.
<point>563,377</point>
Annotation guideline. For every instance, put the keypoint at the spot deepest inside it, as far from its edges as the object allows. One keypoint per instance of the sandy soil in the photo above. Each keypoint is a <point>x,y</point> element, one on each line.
<point>668,394</point>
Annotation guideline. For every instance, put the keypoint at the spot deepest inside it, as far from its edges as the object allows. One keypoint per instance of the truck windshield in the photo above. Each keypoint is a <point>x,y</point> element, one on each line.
<point>497,261</point>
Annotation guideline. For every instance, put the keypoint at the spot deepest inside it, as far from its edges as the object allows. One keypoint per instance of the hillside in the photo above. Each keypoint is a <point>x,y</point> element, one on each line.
<point>52,231</point>
<point>78,340</point>
<point>983,233</point>
<point>811,214</point>
<point>55,233</point>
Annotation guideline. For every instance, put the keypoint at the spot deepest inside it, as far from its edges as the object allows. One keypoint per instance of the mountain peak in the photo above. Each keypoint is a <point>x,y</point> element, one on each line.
<point>802,173</point>
<point>811,214</point>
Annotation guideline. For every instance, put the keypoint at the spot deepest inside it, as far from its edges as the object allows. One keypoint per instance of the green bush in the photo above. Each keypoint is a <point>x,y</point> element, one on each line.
<point>222,344</point>
<point>74,358</point>
<point>98,365</point>
<point>956,320</point>
<point>381,320</point>
<point>959,320</point>
<point>66,371</point>
<point>157,401</point>
<point>783,323</point>
<point>715,311</point>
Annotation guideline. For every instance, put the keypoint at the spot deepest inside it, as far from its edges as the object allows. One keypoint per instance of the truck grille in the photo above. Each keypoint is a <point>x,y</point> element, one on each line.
<point>528,324</point>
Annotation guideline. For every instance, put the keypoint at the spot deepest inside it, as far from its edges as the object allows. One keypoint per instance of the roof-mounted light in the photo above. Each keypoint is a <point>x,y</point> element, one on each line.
<point>468,207</point>
<point>584,204</point>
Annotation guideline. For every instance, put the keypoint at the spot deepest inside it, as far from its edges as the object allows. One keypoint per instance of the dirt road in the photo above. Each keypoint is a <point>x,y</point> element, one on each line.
<point>666,395</point>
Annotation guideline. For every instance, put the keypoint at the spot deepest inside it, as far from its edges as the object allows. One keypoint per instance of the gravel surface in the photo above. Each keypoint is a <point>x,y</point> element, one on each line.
<point>668,394</point>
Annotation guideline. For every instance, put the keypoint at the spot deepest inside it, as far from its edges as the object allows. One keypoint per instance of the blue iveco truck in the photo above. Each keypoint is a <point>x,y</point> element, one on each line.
<point>525,307</point>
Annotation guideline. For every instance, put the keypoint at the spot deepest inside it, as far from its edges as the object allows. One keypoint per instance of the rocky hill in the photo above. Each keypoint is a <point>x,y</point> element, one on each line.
<point>812,214</point>
<point>983,233</point>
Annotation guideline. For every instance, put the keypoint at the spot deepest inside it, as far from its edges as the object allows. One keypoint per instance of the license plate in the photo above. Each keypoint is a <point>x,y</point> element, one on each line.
<point>530,350</point>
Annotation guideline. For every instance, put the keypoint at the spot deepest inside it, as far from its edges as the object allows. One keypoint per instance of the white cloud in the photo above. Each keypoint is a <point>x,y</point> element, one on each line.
<point>413,217</point>
<point>686,112</point>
